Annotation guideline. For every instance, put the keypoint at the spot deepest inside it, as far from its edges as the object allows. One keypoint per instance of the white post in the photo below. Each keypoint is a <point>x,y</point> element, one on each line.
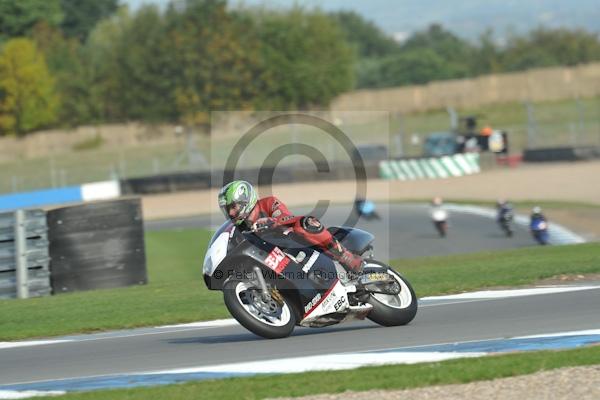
<point>21,255</point>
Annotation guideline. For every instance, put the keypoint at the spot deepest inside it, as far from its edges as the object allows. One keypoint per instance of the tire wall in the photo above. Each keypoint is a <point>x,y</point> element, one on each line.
<point>97,245</point>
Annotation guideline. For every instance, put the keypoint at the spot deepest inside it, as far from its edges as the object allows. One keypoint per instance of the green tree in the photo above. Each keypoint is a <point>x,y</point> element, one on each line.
<point>66,62</point>
<point>215,59</point>
<point>456,52</point>
<point>368,38</point>
<point>27,100</point>
<point>17,18</point>
<point>547,47</point>
<point>308,59</point>
<point>432,54</point>
<point>445,43</point>
<point>487,56</point>
<point>144,68</point>
<point>412,67</point>
<point>80,16</point>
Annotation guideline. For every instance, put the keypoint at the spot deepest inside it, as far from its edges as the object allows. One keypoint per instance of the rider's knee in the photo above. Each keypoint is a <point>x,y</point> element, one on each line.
<point>311,225</point>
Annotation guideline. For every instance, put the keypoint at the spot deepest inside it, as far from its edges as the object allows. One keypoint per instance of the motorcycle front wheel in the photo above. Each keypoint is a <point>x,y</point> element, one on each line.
<point>270,318</point>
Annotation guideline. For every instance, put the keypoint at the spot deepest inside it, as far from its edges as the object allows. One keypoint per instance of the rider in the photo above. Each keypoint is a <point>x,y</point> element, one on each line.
<point>504,209</point>
<point>437,206</point>
<point>239,202</point>
<point>536,214</point>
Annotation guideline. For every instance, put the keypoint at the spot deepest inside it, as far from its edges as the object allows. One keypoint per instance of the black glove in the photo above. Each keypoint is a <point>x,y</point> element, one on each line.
<point>262,224</point>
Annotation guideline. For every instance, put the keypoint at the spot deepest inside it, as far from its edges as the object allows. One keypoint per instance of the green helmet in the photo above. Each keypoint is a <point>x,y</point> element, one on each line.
<point>237,200</point>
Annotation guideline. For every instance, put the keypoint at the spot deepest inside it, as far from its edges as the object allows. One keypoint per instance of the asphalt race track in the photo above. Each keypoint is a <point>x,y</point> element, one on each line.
<point>404,230</point>
<point>438,321</point>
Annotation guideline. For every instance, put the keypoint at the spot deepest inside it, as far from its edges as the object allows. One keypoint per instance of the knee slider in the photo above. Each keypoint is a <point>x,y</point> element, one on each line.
<point>311,225</point>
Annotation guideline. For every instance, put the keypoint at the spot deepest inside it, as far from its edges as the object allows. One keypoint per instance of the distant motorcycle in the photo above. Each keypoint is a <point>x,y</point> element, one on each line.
<point>366,209</point>
<point>539,230</point>
<point>439,216</point>
<point>505,222</point>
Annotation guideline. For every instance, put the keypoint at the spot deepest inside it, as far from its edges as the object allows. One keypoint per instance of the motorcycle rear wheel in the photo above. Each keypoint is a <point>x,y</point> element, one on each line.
<point>392,310</point>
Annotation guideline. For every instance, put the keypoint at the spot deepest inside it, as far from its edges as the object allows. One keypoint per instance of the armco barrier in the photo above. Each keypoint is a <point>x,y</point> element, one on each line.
<point>262,176</point>
<point>430,168</point>
<point>97,245</point>
<point>65,195</point>
<point>24,254</point>
<point>166,183</point>
<point>561,154</point>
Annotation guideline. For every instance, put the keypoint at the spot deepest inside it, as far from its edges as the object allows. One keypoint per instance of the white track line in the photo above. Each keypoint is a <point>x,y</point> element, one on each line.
<point>10,345</point>
<point>503,294</point>
<point>157,330</point>
<point>25,394</point>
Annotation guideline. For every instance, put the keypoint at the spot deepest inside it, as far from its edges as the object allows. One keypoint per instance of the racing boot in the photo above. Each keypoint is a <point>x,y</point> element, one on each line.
<point>350,261</point>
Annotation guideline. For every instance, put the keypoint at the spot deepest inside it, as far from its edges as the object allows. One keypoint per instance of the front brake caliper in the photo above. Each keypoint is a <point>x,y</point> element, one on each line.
<point>277,296</point>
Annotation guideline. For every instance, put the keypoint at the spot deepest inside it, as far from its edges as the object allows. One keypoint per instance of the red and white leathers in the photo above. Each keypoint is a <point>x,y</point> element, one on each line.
<point>270,211</point>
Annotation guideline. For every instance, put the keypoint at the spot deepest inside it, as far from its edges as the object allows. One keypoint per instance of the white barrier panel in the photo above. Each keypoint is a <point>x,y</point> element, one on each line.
<point>430,168</point>
<point>100,190</point>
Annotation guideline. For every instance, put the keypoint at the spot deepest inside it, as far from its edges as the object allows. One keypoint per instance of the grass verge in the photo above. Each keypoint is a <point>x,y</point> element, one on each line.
<point>519,267</point>
<point>368,378</point>
<point>176,292</point>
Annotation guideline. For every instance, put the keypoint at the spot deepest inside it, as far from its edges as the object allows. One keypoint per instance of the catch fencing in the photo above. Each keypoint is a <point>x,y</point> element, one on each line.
<point>24,256</point>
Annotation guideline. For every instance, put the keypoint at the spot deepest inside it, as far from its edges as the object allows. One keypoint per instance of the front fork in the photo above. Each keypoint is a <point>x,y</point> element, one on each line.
<point>263,285</point>
<point>265,293</point>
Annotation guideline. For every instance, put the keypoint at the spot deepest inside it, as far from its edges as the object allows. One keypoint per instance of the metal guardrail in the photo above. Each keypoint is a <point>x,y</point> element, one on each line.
<point>24,257</point>
<point>551,154</point>
<point>262,176</point>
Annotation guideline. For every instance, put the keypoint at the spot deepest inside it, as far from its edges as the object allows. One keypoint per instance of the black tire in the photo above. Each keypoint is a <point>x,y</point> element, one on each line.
<point>505,226</point>
<point>441,228</point>
<point>386,315</point>
<point>249,322</point>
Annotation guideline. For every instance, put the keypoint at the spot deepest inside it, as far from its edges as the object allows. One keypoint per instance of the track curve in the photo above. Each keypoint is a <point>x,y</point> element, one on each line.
<point>404,230</point>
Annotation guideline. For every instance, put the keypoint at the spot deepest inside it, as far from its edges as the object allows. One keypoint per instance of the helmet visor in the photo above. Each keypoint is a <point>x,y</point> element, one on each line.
<point>234,211</point>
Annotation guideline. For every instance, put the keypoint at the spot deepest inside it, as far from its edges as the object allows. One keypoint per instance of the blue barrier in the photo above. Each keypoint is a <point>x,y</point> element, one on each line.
<point>38,198</point>
<point>71,194</point>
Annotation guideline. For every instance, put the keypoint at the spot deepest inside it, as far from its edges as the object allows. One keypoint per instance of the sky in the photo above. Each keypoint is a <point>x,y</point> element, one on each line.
<point>467,18</point>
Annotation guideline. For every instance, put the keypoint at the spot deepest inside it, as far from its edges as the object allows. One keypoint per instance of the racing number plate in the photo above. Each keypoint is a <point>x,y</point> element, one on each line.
<point>276,260</point>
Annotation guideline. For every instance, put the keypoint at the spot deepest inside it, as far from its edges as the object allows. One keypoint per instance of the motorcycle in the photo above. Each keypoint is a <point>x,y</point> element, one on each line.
<point>439,216</point>
<point>272,281</point>
<point>539,230</point>
<point>366,209</point>
<point>505,222</point>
